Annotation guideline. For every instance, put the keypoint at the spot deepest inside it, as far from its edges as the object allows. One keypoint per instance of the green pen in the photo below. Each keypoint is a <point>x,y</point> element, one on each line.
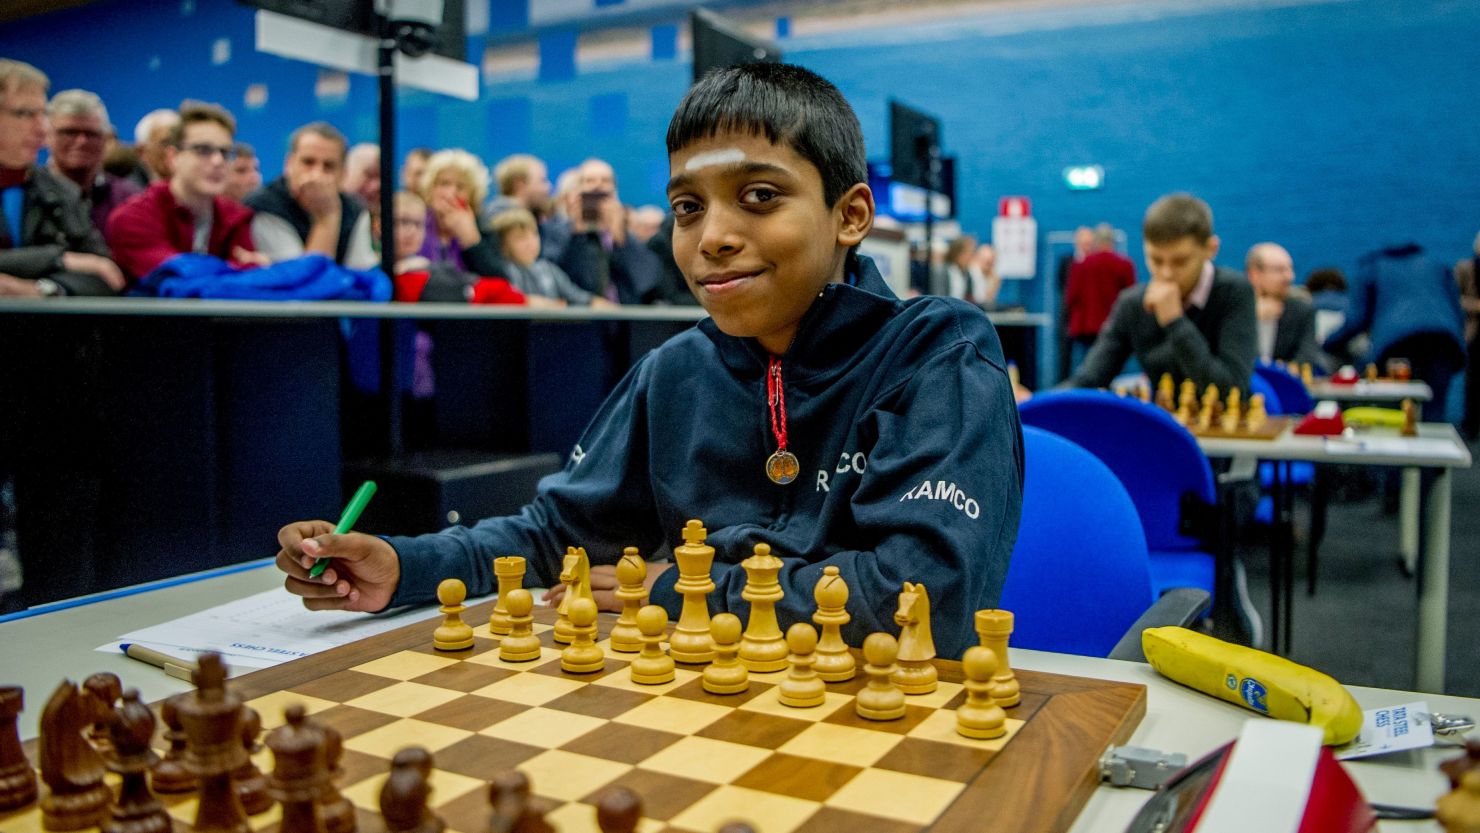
<point>346,522</point>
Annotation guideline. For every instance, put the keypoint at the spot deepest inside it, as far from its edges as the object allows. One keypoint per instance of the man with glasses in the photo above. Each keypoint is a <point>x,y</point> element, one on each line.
<point>79,139</point>
<point>48,246</point>
<point>304,211</point>
<point>187,212</point>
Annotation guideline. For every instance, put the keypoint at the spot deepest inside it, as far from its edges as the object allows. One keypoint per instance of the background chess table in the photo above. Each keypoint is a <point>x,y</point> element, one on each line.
<point>698,760</point>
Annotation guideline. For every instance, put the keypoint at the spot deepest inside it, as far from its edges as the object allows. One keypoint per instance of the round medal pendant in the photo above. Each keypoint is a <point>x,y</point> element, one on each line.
<point>783,467</point>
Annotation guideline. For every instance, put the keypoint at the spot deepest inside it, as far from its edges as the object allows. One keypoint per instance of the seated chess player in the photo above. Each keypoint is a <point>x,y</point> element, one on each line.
<point>887,444</point>
<point>1193,319</point>
<point>1287,320</point>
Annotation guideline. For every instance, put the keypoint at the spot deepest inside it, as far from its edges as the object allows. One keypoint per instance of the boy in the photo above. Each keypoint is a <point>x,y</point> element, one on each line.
<point>1193,320</point>
<point>813,411</point>
<point>518,234</point>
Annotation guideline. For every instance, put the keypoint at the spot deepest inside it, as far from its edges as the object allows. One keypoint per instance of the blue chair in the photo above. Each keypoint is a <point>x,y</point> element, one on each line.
<point>1080,575</point>
<point>1158,461</point>
<point>1294,398</point>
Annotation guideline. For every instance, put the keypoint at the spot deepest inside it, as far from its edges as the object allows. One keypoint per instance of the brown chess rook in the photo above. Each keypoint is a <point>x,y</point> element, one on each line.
<point>130,731</point>
<point>17,779</point>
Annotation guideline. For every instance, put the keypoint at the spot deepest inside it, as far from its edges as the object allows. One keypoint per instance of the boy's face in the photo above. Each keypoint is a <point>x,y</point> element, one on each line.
<point>522,245</point>
<point>199,164</point>
<point>411,229</point>
<point>752,235</point>
<point>1179,261</point>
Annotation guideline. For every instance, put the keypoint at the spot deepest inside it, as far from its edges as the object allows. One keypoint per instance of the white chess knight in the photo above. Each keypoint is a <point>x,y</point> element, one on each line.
<point>915,673</point>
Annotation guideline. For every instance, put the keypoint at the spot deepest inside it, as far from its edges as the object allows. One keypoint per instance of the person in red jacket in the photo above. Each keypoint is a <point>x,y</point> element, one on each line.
<point>187,212</point>
<point>1094,284</point>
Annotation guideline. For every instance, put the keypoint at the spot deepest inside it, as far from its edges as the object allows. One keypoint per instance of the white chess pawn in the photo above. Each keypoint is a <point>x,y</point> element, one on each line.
<point>802,688</point>
<point>881,699</point>
<point>583,655</point>
<point>520,645</point>
<point>653,666</point>
<point>453,634</point>
<point>726,675</point>
<point>980,716</point>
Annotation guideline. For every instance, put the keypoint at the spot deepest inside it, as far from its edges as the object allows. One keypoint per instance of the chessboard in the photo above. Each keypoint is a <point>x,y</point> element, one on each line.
<point>1214,414</point>
<point>696,760</point>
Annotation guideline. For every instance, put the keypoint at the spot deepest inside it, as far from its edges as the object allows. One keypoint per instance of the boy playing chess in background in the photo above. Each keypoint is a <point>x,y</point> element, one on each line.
<point>814,411</point>
<point>1193,320</point>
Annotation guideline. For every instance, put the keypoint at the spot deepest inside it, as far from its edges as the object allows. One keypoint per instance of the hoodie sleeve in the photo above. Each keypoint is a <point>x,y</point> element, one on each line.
<point>938,503</point>
<point>603,488</point>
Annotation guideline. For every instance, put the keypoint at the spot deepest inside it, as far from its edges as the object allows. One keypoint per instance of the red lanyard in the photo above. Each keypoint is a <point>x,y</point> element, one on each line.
<point>782,467</point>
<point>777,399</point>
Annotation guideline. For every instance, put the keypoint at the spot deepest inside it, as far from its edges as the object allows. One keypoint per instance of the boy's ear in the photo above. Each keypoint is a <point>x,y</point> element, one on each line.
<point>855,214</point>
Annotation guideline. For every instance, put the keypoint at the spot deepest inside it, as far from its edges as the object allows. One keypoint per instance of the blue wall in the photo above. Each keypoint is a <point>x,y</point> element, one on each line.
<point>1332,126</point>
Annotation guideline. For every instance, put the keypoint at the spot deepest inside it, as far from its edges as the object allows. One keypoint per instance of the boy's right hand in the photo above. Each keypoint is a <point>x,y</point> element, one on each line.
<point>362,577</point>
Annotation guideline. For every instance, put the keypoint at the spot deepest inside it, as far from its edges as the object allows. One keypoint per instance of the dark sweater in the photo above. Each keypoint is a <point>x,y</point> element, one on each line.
<point>912,462</point>
<point>1215,344</point>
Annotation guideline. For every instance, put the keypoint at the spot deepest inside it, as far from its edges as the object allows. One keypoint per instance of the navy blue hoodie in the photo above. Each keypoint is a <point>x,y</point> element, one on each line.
<point>912,466</point>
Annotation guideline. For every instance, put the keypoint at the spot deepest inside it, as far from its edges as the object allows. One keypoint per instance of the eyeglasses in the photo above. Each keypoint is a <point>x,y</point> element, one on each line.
<point>71,134</point>
<point>206,151</point>
<point>24,113</point>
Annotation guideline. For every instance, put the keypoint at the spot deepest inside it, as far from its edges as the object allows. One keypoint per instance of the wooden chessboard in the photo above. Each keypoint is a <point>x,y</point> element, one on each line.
<point>1272,428</point>
<point>697,760</point>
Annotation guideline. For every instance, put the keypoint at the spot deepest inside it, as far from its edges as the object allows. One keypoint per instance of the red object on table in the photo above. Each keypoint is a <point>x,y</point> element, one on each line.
<point>1324,421</point>
<point>1345,376</point>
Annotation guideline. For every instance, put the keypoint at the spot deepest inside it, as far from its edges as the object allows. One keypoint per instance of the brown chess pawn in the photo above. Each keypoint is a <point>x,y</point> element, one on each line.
<point>70,766</point>
<point>618,810</point>
<point>17,778</point>
<point>298,772</point>
<point>336,810</point>
<point>211,716</point>
<point>106,688</point>
<point>130,730</point>
<point>251,784</point>
<point>514,810</point>
<point>170,774</point>
<point>404,796</point>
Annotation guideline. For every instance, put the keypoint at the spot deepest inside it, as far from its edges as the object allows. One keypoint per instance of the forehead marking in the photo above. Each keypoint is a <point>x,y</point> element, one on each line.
<point>728,156</point>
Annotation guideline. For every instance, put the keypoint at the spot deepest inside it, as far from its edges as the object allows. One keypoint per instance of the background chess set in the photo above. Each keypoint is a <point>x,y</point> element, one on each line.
<point>696,759</point>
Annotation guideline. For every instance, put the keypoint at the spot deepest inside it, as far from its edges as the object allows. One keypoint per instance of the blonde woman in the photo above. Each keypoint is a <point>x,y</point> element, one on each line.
<point>453,185</point>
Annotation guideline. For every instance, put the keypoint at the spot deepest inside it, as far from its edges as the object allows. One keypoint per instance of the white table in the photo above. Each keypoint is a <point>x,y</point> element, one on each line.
<point>1439,448</point>
<point>1371,392</point>
<point>40,651</point>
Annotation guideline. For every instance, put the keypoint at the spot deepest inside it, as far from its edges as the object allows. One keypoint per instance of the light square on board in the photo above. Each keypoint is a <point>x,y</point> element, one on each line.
<point>671,714</point>
<point>766,812</point>
<point>943,694</point>
<point>270,707</point>
<point>568,776</point>
<point>896,795</point>
<point>941,727</point>
<point>841,744</point>
<point>446,786</point>
<point>404,665</point>
<point>769,702</point>
<point>393,737</point>
<point>623,679</point>
<point>404,699</point>
<point>492,658</point>
<point>529,689</point>
<point>185,812</point>
<point>716,761</point>
<point>545,728</point>
<point>581,818</point>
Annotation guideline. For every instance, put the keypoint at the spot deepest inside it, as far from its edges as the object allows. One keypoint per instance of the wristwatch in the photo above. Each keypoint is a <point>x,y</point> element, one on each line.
<point>49,288</point>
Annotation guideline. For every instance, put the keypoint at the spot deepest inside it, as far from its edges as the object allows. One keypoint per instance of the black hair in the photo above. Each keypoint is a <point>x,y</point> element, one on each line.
<point>785,103</point>
<point>1326,279</point>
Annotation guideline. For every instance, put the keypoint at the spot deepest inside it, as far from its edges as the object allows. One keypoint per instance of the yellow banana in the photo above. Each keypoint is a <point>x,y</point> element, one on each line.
<point>1254,679</point>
